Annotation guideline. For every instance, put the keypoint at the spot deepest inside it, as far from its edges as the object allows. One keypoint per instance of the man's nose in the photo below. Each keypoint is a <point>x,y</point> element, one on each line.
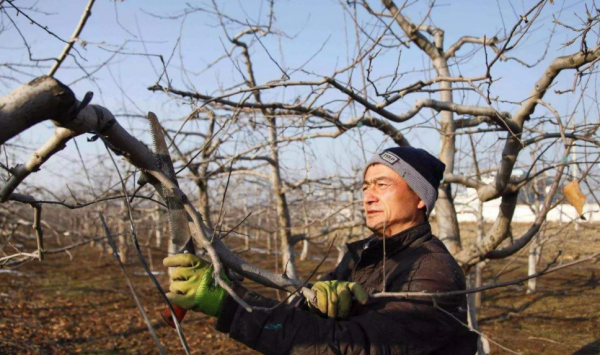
<point>369,197</point>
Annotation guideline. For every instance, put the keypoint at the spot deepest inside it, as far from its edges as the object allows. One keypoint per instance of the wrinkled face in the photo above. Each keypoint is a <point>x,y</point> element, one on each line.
<point>391,206</point>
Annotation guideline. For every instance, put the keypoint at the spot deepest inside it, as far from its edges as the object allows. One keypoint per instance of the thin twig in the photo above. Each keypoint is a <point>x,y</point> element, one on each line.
<point>87,12</point>
<point>485,287</point>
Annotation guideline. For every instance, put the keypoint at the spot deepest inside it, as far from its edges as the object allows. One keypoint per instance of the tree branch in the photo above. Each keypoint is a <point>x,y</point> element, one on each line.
<point>87,12</point>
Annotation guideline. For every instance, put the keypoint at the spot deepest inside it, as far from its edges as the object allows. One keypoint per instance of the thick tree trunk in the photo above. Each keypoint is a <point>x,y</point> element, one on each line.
<point>246,238</point>
<point>284,223</point>
<point>447,222</point>
<point>158,226</point>
<point>204,204</point>
<point>305,243</point>
<point>480,265</point>
<point>483,345</point>
<point>496,234</point>
<point>304,253</point>
<point>535,250</point>
<point>122,247</point>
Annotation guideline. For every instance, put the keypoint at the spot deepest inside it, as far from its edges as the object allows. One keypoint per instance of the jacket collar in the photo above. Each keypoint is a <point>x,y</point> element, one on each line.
<point>393,244</point>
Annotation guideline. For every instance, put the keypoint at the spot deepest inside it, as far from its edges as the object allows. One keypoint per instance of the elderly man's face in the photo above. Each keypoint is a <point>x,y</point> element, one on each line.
<point>391,206</point>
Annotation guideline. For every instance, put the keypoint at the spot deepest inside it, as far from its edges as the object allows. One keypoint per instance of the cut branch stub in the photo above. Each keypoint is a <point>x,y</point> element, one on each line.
<point>41,99</point>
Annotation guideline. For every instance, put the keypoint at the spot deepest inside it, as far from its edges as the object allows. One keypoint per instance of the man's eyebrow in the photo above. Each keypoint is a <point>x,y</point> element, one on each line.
<point>379,178</point>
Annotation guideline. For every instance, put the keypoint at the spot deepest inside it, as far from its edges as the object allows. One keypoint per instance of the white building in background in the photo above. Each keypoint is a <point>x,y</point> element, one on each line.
<point>467,205</point>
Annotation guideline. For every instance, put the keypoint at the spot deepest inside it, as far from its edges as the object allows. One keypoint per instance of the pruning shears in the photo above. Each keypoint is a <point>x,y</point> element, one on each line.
<point>178,218</point>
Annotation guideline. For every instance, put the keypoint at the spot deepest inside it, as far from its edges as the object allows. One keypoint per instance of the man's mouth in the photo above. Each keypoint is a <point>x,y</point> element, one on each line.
<point>372,212</point>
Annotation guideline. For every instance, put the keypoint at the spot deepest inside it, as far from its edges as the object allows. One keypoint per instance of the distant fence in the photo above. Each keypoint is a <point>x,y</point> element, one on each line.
<point>523,213</point>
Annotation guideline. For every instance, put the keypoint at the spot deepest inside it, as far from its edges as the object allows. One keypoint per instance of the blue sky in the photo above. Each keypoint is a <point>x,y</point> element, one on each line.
<point>309,24</point>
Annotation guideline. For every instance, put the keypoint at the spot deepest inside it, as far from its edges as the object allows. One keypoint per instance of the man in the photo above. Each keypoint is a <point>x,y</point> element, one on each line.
<point>400,190</point>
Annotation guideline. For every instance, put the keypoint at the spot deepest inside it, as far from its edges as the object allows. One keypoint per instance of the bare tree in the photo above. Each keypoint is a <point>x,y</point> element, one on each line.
<point>250,132</point>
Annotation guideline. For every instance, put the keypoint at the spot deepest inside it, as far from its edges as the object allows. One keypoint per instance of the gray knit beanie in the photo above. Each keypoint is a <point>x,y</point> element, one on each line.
<point>421,170</point>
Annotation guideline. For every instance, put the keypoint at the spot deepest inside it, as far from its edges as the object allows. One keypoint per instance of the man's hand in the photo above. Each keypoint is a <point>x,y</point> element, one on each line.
<point>334,298</point>
<point>193,286</point>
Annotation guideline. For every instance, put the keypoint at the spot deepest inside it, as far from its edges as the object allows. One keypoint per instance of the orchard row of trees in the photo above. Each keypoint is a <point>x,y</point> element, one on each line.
<point>274,156</point>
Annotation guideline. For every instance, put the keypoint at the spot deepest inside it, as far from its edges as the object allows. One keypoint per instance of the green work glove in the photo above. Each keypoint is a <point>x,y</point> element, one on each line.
<point>334,298</point>
<point>193,285</point>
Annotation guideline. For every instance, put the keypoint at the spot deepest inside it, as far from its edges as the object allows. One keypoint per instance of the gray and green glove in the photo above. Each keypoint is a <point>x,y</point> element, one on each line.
<point>334,298</point>
<point>193,286</point>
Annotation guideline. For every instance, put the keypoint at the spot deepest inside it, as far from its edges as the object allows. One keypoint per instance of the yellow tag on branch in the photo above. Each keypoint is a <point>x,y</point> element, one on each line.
<point>574,196</point>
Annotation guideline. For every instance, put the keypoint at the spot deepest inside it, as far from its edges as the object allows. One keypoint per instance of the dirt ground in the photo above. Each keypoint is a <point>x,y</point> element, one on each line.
<point>83,305</point>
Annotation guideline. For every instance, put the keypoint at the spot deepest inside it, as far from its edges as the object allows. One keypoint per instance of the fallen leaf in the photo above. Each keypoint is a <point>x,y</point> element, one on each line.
<point>574,196</point>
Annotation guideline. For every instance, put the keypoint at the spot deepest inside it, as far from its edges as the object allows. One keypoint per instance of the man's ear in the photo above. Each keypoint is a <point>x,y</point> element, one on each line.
<point>421,205</point>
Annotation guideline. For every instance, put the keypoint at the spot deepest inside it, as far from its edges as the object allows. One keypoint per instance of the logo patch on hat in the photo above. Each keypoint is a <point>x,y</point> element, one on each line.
<point>389,157</point>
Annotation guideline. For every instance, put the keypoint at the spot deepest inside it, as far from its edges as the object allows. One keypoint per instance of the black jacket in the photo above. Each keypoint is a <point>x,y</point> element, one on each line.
<point>415,260</point>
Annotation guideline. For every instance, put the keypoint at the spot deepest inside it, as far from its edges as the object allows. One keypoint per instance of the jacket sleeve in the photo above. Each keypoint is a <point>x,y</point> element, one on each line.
<point>383,326</point>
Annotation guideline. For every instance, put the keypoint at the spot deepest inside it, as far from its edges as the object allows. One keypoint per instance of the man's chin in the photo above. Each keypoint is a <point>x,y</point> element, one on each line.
<point>376,228</point>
